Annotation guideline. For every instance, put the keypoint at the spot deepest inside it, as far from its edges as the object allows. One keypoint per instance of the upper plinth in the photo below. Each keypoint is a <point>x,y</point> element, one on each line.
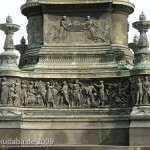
<point>125,5</point>
<point>65,35</point>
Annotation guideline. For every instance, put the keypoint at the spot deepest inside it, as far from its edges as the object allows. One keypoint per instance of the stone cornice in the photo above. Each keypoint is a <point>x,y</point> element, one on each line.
<point>129,7</point>
<point>122,2</point>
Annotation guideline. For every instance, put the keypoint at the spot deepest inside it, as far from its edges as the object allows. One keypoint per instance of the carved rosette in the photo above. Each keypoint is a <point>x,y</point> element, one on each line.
<point>8,58</point>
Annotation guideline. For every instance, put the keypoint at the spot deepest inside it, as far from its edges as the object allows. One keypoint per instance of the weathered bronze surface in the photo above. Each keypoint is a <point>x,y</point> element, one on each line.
<point>78,83</point>
<point>66,94</point>
<point>84,41</point>
<point>142,54</point>
<point>8,58</point>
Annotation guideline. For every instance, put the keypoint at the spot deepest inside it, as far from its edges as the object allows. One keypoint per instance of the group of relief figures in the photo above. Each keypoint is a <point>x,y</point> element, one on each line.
<point>14,92</point>
<point>63,94</point>
<point>94,30</point>
<point>140,91</point>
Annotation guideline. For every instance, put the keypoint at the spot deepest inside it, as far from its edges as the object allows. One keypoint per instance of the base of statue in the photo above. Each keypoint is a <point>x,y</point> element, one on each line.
<point>26,127</point>
<point>79,148</point>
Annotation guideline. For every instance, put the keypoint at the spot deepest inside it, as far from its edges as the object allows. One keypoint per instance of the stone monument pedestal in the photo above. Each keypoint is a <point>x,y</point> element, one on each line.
<point>69,127</point>
<point>139,126</point>
<point>76,86</point>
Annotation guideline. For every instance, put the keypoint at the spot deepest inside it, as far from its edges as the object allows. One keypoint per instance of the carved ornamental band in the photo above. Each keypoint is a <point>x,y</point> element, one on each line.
<point>71,94</point>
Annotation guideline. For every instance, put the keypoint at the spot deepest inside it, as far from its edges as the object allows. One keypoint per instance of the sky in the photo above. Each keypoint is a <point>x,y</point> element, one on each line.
<point>11,7</point>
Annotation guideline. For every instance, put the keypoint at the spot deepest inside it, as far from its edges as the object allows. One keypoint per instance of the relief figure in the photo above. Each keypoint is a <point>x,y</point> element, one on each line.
<point>146,91</point>
<point>77,93</point>
<point>23,93</point>
<point>94,31</point>
<point>139,90</point>
<point>18,88</point>
<point>31,98</point>
<point>4,91</point>
<point>41,92</point>
<point>64,95</point>
<point>56,94</point>
<point>102,97</point>
<point>49,94</point>
<point>61,30</point>
<point>91,93</point>
<point>12,96</point>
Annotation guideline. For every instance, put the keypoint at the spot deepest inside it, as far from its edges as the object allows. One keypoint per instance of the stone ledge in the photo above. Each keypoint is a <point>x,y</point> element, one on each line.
<point>79,148</point>
<point>66,114</point>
